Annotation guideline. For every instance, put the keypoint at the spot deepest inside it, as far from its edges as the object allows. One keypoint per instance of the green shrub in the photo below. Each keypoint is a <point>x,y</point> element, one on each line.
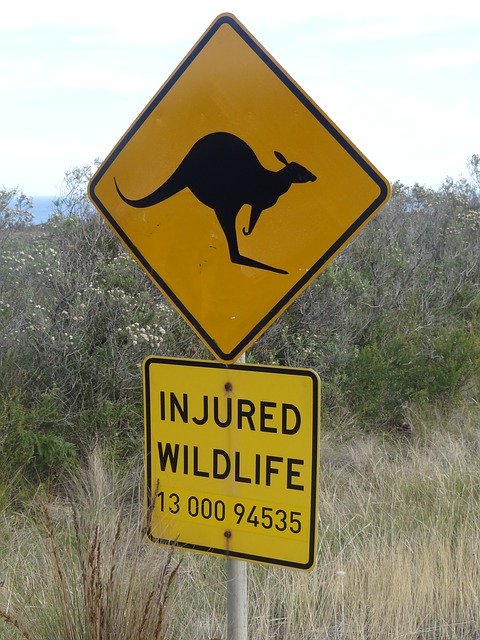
<point>385,378</point>
<point>28,443</point>
<point>391,321</point>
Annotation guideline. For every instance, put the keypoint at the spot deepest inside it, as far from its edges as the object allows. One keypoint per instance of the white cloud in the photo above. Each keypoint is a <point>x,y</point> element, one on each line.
<point>88,79</point>
<point>76,79</point>
<point>147,17</point>
<point>445,58</point>
<point>44,158</point>
<point>382,30</point>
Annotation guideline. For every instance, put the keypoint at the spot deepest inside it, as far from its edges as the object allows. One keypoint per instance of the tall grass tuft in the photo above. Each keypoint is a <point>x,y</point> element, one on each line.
<point>398,549</point>
<point>82,570</point>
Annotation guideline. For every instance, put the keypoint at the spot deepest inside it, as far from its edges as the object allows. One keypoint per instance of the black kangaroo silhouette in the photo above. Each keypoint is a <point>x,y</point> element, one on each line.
<point>224,173</point>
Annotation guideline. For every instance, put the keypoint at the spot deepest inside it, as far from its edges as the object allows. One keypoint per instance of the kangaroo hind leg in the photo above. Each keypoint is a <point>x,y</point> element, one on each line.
<point>236,257</point>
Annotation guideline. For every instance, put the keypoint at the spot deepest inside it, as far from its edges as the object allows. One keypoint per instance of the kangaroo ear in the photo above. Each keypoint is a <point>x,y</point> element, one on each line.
<point>280,157</point>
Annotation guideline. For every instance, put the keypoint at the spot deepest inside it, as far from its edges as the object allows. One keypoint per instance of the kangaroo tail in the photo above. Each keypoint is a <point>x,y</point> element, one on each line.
<point>169,188</point>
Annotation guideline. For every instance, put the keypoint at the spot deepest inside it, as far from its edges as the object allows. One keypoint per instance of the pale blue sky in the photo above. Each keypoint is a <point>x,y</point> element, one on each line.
<point>401,79</point>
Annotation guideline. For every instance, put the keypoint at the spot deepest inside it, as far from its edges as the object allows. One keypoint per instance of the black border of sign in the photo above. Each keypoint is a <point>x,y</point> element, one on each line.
<point>315,451</point>
<point>314,110</point>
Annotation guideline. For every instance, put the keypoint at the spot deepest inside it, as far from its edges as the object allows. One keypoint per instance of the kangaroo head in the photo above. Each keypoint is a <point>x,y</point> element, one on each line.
<point>295,171</point>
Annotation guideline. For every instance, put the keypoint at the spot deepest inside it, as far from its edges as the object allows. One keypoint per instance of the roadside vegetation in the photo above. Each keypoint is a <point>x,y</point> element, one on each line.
<point>393,329</point>
<point>399,533</point>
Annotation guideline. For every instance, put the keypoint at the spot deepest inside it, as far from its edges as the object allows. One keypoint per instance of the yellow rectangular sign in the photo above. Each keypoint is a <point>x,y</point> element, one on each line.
<point>231,459</point>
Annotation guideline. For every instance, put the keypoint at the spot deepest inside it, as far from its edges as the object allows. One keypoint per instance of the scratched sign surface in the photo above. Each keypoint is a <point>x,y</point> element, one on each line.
<point>233,190</point>
<point>231,459</point>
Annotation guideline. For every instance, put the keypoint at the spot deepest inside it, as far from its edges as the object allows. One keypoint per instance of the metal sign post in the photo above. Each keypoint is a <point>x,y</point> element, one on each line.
<point>237,592</point>
<point>237,600</point>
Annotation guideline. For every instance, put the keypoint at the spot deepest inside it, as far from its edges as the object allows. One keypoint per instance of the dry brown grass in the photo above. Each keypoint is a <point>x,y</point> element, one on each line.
<point>79,568</point>
<point>399,540</point>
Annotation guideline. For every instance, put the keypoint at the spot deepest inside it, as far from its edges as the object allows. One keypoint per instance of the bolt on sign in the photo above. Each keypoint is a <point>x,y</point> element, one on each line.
<point>233,190</point>
<point>231,459</point>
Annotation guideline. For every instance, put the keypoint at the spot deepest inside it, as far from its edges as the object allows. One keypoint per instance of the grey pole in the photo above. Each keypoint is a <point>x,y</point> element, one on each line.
<point>237,600</point>
<point>237,594</point>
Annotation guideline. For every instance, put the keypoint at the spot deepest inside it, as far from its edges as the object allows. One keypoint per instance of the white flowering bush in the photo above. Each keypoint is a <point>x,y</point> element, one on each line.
<point>15,210</point>
<point>77,317</point>
<point>393,320</point>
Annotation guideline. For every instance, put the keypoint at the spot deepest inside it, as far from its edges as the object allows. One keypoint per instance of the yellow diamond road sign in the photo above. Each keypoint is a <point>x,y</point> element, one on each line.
<point>231,459</point>
<point>233,190</point>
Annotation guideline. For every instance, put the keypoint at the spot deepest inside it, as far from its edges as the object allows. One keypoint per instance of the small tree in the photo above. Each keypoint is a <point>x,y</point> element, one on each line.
<point>15,209</point>
<point>73,200</point>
